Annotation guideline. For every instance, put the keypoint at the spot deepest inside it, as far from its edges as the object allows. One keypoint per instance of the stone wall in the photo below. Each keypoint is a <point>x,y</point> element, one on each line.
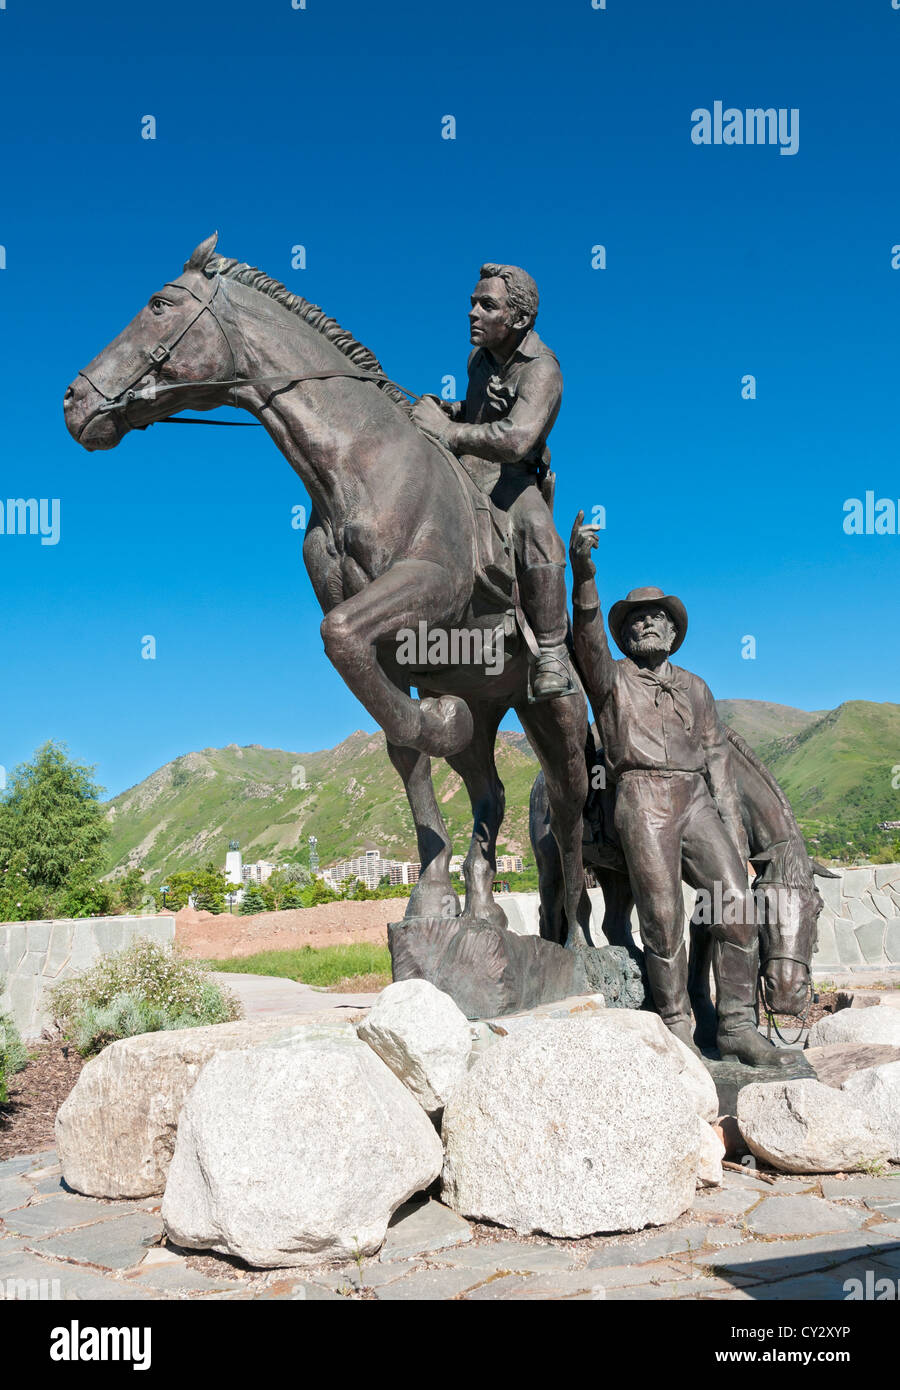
<point>36,955</point>
<point>859,928</point>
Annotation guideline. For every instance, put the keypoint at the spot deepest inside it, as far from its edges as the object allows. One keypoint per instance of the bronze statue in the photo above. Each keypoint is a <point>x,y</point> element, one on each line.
<point>500,431</point>
<point>677,808</point>
<point>396,539</point>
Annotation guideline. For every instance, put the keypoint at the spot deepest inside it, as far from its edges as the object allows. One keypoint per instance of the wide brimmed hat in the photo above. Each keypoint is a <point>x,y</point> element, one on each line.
<point>636,599</point>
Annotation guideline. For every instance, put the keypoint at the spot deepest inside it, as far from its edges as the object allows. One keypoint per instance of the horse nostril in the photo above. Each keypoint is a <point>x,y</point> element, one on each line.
<point>70,392</point>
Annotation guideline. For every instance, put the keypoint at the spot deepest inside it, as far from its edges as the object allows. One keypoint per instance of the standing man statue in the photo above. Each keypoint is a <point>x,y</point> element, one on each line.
<point>677,810</point>
<point>501,428</point>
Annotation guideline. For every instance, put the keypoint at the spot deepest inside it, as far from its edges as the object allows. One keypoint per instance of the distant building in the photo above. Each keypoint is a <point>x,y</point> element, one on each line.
<point>258,873</point>
<point>509,864</point>
<point>234,871</point>
<point>371,868</point>
<point>888,825</point>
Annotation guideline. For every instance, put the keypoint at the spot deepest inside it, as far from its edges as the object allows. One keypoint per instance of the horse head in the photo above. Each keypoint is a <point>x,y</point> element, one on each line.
<point>788,907</point>
<point>156,364</point>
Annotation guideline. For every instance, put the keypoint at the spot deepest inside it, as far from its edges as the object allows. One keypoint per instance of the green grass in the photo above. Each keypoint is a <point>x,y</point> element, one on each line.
<point>323,965</point>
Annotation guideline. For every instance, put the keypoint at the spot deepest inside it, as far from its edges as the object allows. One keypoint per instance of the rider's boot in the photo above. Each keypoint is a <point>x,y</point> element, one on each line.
<point>736,970</point>
<point>543,589</point>
<point>667,976</point>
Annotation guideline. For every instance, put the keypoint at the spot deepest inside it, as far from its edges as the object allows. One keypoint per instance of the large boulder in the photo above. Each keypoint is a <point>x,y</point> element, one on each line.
<point>877,1091</point>
<point>807,1127</point>
<point>297,1154</point>
<point>116,1131</point>
<point>422,1036</point>
<point>649,1027</point>
<point>570,1129</point>
<point>879,1025</point>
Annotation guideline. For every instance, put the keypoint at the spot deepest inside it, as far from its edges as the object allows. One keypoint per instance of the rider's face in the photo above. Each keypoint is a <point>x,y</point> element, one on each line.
<point>490,317</point>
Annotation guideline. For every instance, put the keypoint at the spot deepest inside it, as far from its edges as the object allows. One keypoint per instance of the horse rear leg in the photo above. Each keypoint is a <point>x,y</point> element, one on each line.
<point>557,730</point>
<point>549,866</point>
<point>410,592</point>
<point>699,971</point>
<point>476,766</point>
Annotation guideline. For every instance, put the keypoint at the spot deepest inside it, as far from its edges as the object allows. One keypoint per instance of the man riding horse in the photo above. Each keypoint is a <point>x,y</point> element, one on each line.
<point>500,431</point>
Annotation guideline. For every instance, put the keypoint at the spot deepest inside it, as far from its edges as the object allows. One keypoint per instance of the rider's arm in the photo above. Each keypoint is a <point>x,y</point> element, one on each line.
<point>722,783</point>
<point>514,438</point>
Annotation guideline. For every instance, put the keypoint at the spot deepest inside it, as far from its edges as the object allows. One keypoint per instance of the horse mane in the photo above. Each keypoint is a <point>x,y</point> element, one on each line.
<point>345,342</point>
<point>795,868</point>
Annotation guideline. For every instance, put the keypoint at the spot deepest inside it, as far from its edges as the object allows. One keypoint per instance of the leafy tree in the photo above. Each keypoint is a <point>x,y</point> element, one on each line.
<point>19,900</point>
<point>52,813</point>
<point>131,889</point>
<point>84,895</point>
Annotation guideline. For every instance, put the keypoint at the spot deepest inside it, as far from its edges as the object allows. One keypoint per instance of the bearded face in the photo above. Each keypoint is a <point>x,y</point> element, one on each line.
<point>649,633</point>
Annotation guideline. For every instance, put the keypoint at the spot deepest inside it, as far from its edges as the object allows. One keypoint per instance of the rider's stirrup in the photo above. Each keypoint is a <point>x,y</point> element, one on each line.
<point>562,662</point>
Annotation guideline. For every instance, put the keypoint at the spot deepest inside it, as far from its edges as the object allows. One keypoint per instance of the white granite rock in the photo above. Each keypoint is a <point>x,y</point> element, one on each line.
<point>877,1091</point>
<point>297,1154</point>
<point>571,1128</point>
<point>712,1151</point>
<point>116,1131</point>
<point>423,1037</point>
<point>807,1127</point>
<point>877,1025</point>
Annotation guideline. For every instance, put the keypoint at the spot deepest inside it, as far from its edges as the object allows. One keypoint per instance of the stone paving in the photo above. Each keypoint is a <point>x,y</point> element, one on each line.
<point>791,1238</point>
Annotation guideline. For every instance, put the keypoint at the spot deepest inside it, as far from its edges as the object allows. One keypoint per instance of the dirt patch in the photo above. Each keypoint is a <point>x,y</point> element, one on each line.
<point>331,924</point>
<point>35,1095</point>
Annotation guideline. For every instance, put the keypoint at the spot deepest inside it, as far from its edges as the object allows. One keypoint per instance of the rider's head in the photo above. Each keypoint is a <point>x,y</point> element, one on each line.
<point>504,307</point>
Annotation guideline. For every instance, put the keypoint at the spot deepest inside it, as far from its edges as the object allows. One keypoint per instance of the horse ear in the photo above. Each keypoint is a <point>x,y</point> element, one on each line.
<point>202,253</point>
<point>820,871</point>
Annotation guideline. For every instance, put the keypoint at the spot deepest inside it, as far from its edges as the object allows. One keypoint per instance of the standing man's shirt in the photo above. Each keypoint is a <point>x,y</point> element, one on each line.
<point>664,722</point>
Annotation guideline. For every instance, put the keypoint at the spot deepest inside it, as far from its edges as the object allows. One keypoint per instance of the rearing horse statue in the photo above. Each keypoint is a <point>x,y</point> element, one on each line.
<point>391,545</point>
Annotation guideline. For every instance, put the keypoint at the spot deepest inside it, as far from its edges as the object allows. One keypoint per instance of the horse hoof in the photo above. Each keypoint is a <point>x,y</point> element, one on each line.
<point>434,900</point>
<point>446,726</point>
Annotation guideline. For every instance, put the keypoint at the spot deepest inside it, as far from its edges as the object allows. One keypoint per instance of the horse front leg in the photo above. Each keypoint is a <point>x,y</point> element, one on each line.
<point>410,592</point>
<point>433,894</point>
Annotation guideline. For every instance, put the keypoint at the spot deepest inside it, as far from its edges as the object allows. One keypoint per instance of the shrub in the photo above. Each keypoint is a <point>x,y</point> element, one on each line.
<point>143,989</point>
<point>13,1056</point>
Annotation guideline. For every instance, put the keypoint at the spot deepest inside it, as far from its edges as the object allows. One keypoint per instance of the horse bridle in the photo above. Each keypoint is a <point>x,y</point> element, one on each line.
<point>125,395</point>
<point>769,1011</point>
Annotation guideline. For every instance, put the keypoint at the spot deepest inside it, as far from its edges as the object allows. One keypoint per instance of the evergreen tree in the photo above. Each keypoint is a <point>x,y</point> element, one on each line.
<point>252,901</point>
<point>52,814</point>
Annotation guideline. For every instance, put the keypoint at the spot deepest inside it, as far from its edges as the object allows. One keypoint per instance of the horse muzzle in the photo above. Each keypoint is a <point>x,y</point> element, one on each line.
<point>89,419</point>
<point>786,984</point>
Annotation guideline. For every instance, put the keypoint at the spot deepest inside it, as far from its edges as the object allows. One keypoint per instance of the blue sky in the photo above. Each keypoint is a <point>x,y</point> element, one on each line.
<point>323,127</point>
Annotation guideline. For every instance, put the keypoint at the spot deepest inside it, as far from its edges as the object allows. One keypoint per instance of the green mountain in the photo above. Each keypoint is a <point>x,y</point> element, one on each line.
<point>836,767</point>
<point>760,722</point>
<point>271,800</point>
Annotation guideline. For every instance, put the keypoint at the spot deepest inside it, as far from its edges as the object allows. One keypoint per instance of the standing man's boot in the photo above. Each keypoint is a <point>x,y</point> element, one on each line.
<point>668,976</point>
<point>543,590</point>
<point>736,971</point>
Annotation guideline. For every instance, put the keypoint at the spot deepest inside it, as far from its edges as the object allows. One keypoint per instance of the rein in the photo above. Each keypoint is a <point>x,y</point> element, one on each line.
<point>126,395</point>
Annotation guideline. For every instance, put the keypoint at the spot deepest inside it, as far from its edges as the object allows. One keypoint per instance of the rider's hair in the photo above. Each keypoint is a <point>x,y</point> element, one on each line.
<point>521,291</point>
